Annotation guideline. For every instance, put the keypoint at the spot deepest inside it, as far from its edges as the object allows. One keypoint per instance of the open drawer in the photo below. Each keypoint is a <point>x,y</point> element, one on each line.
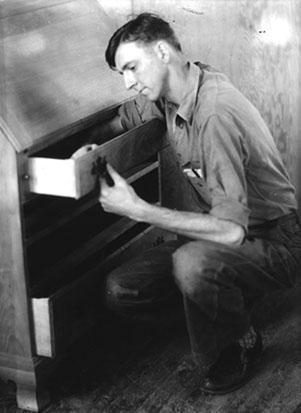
<point>62,317</point>
<point>75,177</point>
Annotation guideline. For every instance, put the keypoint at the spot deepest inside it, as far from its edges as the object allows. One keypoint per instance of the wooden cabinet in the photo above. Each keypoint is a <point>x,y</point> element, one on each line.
<point>58,244</point>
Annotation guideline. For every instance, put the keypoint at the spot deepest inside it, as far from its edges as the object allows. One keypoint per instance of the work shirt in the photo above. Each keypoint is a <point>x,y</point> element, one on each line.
<point>220,136</point>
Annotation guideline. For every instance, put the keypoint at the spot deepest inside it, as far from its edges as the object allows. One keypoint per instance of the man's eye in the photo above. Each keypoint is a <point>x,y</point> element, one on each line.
<point>132,68</point>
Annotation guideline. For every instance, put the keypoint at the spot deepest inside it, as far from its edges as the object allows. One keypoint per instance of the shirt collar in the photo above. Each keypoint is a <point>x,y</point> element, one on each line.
<point>186,108</point>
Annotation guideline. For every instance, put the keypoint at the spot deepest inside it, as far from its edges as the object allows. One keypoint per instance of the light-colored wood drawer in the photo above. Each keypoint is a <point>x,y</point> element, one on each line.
<point>75,177</point>
<point>63,317</point>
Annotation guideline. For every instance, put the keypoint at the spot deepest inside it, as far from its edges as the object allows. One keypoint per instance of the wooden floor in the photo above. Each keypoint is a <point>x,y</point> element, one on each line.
<point>141,371</point>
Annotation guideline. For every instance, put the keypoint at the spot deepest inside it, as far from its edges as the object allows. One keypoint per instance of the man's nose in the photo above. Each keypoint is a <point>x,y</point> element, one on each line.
<point>129,80</point>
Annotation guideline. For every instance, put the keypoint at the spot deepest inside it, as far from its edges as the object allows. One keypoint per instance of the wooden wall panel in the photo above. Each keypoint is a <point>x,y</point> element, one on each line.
<point>257,44</point>
<point>296,160</point>
<point>55,73</point>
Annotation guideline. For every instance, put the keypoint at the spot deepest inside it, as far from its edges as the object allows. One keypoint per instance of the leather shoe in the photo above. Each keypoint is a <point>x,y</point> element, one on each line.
<point>233,368</point>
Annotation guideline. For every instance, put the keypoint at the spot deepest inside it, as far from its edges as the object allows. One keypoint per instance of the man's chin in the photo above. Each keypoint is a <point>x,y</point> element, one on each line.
<point>151,97</point>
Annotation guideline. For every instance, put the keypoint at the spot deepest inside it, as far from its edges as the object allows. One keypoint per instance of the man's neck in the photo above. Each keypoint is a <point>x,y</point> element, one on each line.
<point>178,82</point>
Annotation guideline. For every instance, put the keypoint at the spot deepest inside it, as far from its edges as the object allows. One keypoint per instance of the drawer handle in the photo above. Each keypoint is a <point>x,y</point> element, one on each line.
<point>158,241</point>
<point>99,168</point>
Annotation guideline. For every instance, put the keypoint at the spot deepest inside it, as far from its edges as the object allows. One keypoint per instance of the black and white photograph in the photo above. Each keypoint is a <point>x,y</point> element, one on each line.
<point>150,206</point>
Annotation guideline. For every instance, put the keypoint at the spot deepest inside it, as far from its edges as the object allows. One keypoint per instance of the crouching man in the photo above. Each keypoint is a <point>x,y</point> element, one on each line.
<point>248,242</point>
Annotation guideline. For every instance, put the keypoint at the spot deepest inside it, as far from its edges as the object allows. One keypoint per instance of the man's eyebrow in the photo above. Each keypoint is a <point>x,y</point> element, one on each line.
<point>125,66</point>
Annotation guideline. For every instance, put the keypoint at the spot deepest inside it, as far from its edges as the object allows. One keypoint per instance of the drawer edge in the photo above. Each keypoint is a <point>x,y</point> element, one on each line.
<point>43,327</point>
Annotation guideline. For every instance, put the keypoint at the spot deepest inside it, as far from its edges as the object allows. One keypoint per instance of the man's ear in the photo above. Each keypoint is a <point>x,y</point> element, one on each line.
<point>162,49</point>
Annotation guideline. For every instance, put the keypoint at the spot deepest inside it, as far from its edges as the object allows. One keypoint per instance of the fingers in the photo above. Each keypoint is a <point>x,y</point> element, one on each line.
<point>103,187</point>
<point>113,172</point>
<point>114,176</point>
<point>118,179</point>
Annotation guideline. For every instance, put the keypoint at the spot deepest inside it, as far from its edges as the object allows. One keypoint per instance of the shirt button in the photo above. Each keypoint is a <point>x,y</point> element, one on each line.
<point>181,125</point>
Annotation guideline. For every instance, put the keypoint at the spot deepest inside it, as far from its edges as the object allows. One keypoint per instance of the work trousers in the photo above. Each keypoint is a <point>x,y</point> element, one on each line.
<point>215,285</point>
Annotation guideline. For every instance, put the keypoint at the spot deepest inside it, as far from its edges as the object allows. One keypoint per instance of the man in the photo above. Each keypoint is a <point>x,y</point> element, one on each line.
<point>245,245</point>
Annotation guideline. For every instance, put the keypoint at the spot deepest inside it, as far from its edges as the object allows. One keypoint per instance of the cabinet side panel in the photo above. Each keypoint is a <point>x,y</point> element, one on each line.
<point>14,320</point>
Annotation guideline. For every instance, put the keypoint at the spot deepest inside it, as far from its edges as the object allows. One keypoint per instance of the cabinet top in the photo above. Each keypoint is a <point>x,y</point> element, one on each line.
<point>53,73</point>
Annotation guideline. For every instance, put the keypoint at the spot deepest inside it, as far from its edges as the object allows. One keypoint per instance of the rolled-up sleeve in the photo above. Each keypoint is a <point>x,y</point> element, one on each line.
<point>138,110</point>
<point>224,158</point>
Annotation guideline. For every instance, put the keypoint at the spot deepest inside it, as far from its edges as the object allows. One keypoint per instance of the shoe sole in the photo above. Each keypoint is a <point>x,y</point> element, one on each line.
<point>237,386</point>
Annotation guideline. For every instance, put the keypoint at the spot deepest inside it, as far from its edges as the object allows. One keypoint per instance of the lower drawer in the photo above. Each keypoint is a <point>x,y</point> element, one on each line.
<point>65,315</point>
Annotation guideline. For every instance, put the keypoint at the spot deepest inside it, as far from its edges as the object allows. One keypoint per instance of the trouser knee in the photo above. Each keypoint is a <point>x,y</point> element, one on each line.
<point>207,279</point>
<point>189,261</point>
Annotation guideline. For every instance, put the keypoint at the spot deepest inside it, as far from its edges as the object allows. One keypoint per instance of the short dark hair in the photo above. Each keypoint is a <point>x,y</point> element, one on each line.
<point>145,28</point>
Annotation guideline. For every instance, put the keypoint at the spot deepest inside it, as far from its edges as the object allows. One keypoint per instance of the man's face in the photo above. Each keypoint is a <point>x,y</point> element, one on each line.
<point>142,68</point>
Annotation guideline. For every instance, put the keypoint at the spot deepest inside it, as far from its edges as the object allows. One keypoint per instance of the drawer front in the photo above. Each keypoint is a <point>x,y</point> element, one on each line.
<point>52,177</point>
<point>75,177</point>
<point>63,317</point>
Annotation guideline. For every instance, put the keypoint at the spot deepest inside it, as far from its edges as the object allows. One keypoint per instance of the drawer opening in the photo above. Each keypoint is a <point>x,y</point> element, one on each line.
<point>62,312</point>
<point>75,269</point>
<point>66,147</point>
<point>81,237</point>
